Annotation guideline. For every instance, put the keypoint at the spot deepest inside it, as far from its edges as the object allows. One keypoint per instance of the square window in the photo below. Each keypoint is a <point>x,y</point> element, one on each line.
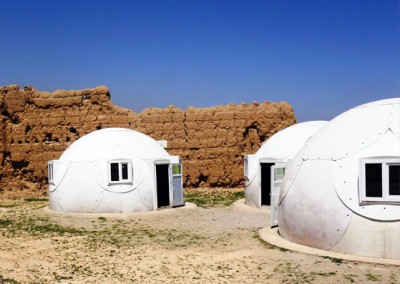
<point>379,180</point>
<point>120,172</point>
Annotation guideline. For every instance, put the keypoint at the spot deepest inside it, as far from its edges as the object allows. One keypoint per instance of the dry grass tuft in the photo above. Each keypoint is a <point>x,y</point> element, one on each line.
<point>213,197</point>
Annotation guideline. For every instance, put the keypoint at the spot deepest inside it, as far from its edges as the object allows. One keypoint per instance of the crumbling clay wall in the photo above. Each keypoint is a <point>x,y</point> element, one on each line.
<point>38,126</point>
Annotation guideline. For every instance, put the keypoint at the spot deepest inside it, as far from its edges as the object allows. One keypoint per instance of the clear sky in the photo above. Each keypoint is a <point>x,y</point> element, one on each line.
<point>322,56</point>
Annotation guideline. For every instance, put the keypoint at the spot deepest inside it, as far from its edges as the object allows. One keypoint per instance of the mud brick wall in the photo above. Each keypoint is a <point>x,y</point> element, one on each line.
<point>38,126</point>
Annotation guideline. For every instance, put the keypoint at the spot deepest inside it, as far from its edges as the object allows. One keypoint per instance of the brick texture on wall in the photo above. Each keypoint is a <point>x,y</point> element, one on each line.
<point>38,126</point>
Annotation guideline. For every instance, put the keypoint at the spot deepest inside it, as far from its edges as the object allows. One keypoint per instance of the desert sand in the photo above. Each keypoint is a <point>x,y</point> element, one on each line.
<point>178,245</point>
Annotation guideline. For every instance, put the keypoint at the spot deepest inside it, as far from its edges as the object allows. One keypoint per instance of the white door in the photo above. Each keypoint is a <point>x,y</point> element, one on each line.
<point>277,174</point>
<point>177,191</point>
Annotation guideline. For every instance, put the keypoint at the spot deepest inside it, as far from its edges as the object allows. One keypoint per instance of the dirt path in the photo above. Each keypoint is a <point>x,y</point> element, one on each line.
<point>181,245</point>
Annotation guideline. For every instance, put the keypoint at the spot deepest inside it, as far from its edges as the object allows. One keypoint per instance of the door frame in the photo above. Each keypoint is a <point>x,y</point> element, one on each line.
<point>155,193</point>
<point>259,193</point>
<point>276,185</point>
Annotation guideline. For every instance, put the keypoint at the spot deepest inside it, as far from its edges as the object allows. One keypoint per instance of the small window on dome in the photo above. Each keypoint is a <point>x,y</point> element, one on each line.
<point>380,180</point>
<point>246,167</point>
<point>51,173</point>
<point>120,172</point>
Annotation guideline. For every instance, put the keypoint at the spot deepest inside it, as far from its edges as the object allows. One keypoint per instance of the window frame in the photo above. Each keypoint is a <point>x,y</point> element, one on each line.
<point>129,180</point>
<point>277,175</point>
<point>246,167</point>
<point>175,166</point>
<point>386,198</point>
<point>50,172</point>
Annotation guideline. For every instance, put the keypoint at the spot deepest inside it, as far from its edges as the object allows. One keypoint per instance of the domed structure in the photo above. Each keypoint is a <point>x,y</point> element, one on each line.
<point>342,190</point>
<point>265,170</point>
<point>115,170</point>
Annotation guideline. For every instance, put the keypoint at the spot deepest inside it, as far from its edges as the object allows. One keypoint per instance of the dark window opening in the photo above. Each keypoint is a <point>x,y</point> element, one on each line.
<point>373,180</point>
<point>114,172</point>
<point>394,179</point>
<point>124,169</point>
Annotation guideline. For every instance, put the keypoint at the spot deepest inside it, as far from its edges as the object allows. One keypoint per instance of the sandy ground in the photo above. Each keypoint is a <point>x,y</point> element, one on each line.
<point>181,245</point>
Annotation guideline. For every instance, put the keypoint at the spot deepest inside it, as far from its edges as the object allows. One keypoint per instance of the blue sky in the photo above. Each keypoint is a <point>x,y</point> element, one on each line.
<point>323,57</point>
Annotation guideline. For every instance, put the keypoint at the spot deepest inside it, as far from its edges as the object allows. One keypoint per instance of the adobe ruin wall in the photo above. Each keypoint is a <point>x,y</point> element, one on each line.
<point>38,126</point>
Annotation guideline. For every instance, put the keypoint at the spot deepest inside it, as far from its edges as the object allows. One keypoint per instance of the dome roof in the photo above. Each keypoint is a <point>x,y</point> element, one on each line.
<point>368,130</point>
<point>354,130</point>
<point>113,140</point>
<point>287,142</point>
<point>320,200</point>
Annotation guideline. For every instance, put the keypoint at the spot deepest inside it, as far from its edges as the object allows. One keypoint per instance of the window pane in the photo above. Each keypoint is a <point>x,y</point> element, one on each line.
<point>176,169</point>
<point>124,170</point>
<point>246,167</point>
<point>114,172</point>
<point>279,174</point>
<point>394,180</point>
<point>373,180</point>
<point>50,172</point>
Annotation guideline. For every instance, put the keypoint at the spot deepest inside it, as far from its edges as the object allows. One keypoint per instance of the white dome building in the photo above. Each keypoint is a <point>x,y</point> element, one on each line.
<point>115,170</point>
<point>342,190</point>
<point>272,159</point>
